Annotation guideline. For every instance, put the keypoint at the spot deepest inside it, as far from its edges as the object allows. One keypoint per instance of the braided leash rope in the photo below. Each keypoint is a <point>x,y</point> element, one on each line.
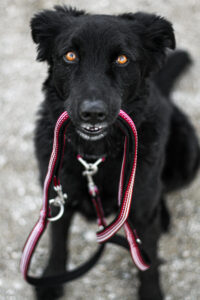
<point>108,232</point>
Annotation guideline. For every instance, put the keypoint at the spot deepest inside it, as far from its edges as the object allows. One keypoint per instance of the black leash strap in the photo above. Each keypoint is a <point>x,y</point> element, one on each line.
<point>81,270</point>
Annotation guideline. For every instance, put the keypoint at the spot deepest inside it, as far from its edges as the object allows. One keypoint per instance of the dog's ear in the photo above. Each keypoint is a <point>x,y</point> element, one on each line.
<point>156,35</point>
<point>46,25</point>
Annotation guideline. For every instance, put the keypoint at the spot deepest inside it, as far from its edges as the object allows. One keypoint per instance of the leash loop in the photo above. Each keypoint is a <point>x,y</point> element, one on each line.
<point>106,233</point>
<point>58,201</point>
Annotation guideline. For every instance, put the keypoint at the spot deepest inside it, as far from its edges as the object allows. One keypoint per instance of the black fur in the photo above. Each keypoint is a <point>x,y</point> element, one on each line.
<point>168,156</point>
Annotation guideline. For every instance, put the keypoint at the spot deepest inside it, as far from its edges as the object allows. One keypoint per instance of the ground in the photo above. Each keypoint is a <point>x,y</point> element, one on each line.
<point>20,194</point>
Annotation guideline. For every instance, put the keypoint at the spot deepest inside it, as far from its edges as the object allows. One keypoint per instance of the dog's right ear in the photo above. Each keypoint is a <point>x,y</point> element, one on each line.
<point>46,25</point>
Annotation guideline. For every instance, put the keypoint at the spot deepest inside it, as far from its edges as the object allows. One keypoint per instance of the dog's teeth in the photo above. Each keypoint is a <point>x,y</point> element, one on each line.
<point>93,128</point>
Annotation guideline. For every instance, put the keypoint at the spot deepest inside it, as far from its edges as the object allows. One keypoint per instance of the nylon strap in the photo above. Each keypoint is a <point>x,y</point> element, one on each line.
<point>108,234</point>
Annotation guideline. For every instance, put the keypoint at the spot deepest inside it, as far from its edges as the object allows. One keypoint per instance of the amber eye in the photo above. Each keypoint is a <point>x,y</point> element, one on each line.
<point>70,56</point>
<point>122,59</point>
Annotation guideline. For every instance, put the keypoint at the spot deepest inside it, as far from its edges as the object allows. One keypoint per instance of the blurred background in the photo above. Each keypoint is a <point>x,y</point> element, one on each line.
<point>20,195</point>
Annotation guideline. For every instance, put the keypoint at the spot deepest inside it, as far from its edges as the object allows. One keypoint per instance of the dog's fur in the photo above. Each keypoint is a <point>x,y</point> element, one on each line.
<point>168,155</point>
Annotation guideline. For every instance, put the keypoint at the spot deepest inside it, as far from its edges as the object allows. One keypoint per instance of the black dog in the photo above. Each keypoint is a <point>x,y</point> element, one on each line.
<point>97,65</point>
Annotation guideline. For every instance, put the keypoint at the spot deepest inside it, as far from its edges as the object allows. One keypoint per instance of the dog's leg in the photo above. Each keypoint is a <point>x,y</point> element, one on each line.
<point>182,153</point>
<point>149,280</point>
<point>58,256</point>
<point>165,216</point>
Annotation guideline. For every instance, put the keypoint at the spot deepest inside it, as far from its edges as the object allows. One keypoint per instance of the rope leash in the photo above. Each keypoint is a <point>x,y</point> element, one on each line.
<point>107,233</point>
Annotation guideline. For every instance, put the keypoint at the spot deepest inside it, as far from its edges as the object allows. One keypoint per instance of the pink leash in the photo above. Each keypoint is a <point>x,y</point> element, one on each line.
<point>124,201</point>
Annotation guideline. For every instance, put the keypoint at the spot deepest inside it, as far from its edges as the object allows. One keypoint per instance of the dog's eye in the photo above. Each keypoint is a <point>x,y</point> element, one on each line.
<point>121,59</point>
<point>70,56</point>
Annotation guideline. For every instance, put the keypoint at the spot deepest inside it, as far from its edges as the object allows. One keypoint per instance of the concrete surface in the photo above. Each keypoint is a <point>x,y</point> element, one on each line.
<point>20,195</point>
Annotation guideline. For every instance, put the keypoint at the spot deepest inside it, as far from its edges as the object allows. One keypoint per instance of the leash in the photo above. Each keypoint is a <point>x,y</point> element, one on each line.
<point>106,233</point>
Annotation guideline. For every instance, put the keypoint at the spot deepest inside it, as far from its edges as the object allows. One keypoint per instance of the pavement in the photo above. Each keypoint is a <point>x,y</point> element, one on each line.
<point>20,195</point>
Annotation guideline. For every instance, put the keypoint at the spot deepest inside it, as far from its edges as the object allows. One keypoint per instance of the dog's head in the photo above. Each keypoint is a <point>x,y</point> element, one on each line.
<point>99,63</point>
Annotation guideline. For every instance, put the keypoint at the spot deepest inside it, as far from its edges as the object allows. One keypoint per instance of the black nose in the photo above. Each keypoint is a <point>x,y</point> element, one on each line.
<point>93,111</point>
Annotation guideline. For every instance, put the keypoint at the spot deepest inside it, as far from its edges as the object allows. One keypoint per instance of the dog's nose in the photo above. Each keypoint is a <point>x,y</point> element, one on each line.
<point>93,111</point>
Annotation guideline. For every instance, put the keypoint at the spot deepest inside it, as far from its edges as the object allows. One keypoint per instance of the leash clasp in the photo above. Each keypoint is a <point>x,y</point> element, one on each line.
<point>58,201</point>
<point>90,171</point>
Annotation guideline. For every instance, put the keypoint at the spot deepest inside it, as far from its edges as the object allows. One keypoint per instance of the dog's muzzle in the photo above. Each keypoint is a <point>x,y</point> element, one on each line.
<point>92,132</point>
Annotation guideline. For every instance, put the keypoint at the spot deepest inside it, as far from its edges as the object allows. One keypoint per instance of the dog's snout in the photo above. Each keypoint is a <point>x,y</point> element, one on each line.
<point>93,111</point>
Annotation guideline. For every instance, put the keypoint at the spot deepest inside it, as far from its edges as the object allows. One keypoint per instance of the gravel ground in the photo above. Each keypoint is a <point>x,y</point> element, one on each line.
<point>20,195</point>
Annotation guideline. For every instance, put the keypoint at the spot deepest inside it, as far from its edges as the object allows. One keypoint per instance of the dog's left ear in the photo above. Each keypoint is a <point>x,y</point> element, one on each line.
<point>156,35</point>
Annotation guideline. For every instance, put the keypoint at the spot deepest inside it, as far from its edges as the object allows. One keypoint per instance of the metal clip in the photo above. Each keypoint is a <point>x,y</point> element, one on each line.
<point>90,171</point>
<point>62,196</point>
<point>139,241</point>
<point>58,201</point>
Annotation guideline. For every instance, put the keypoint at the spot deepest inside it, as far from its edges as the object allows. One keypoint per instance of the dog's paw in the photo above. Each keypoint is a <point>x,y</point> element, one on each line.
<point>49,293</point>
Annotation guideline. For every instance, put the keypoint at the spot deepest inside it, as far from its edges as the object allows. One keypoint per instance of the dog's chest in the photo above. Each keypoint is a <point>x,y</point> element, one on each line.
<point>76,185</point>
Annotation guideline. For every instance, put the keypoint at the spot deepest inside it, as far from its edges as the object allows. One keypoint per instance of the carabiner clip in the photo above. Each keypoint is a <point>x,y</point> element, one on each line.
<point>59,201</point>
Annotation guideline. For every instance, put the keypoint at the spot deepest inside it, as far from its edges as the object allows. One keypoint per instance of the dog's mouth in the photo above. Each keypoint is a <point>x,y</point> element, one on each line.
<point>92,132</point>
